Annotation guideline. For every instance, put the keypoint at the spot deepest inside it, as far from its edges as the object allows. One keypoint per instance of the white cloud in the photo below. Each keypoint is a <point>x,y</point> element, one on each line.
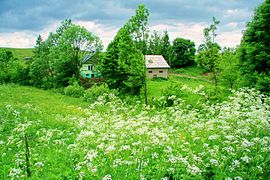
<point>229,39</point>
<point>232,24</point>
<point>27,39</point>
<point>192,31</point>
<point>239,14</point>
<point>24,39</point>
<point>105,33</point>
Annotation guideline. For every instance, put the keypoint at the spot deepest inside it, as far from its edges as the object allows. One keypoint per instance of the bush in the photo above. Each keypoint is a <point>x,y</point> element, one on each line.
<point>74,90</point>
<point>89,82</point>
<point>175,89</point>
<point>92,94</point>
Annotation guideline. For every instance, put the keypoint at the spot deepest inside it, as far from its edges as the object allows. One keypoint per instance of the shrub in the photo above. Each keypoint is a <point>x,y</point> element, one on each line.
<point>74,90</point>
<point>92,94</point>
<point>89,82</point>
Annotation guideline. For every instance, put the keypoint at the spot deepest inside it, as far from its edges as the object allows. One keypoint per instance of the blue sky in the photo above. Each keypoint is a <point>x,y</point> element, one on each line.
<point>22,20</point>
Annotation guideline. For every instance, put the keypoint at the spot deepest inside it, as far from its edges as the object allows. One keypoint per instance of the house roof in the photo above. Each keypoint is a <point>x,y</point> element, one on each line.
<point>86,58</point>
<point>155,61</point>
<point>91,58</point>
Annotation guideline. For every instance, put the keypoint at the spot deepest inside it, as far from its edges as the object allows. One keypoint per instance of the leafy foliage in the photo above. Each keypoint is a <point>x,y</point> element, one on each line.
<point>228,67</point>
<point>58,58</point>
<point>160,45</point>
<point>123,65</point>
<point>74,90</point>
<point>183,53</point>
<point>138,28</point>
<point>92,94</point>
<point>255,50</point>
<point>208,56</point>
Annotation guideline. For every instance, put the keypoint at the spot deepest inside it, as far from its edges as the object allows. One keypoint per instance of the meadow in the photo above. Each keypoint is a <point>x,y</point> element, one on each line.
<point>112,139</point>
<point>20,53</point>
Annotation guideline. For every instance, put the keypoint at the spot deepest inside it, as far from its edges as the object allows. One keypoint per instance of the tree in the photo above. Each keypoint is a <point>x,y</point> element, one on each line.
<point>208,56</point>
<point>255,50</point>
<point>166,48</point>
<point>58,58</point>
<point>138,28</point>
<point>41,69</point>
<point>155,44</point>
<point>123,65</point>
<point>183,53</point>
<point>228,66</point>
<point>160,45</point>
<point>6,61</point>
<point>74,43</point>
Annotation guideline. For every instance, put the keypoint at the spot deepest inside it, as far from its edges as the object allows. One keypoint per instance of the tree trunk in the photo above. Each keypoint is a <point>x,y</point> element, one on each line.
<point>145,90</point>
<point>27,156</point>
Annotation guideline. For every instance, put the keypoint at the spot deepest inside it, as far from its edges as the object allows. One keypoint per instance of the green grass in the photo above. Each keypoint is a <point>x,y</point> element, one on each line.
<point>48,113</point>
<point>21,53</point>
<point>69,138</point>
<point>191,70</point>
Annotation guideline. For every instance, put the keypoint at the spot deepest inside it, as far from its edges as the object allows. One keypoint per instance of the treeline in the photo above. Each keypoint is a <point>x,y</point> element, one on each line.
<point>57,60</point>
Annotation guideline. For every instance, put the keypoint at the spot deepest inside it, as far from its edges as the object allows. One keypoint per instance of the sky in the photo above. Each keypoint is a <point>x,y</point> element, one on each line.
<point>21,21</point>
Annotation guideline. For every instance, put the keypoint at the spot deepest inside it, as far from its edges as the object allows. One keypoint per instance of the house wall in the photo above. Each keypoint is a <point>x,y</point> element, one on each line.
<point>157,72</point>
<point>86,73</point>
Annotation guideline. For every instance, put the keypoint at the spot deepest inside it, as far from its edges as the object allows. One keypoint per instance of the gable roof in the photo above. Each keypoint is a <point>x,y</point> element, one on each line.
<point>155,61</point>
<point>91,58</point>
<point>86,58</point>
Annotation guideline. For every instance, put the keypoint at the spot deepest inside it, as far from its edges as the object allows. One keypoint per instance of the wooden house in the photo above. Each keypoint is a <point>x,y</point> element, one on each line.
<point>156,66</point>
<point>89,66</point>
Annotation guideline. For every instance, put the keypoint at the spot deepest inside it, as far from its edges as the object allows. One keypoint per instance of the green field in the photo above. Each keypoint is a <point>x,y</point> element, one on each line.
<point>21,53</point>
<point>71,139</point>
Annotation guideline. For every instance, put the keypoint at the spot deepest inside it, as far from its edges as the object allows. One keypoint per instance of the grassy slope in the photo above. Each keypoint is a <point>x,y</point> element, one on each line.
<point>190,76</point>
<point>47,110</point>
<point>54,111</point>
<point>21,53</point>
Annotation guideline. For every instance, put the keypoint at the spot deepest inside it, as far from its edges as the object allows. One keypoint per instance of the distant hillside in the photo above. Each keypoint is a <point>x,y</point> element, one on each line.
<point>21,53</point>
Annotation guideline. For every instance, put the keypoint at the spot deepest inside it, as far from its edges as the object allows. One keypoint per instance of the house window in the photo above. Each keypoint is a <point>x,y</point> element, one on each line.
<point>160,71</point>
<point>90,67</point>
<point>87,74</point>
<point>150,71</point>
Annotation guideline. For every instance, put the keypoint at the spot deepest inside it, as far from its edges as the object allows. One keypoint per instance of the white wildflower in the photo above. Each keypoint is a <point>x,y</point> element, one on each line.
<point>91,155</point>
<point>214,162</point>
<point>155,155</point>
<point>246,159</point>
<point>39,164</point>
<point>107,177</point>
<point>194,170</point>
<point>213,137</point>
<point>238,178</point>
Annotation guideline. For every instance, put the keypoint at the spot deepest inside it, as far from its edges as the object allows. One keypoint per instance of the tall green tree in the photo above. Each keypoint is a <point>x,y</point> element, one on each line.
<point>58,58</point>
<point>6,62</point>
<point>123,65</point>
<point>159,44</point>
<point>155,44</point>
<point>138,28</point>
<point>208,54</point>
<point>166,48</point>
<point>41,70</point>
<point>228,67</point>
<point>183,53</point>
<point>255,50</point>
<point>74,43</point>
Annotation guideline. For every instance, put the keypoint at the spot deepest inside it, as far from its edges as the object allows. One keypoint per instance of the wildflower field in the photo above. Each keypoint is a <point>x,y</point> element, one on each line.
<point>114,139</point>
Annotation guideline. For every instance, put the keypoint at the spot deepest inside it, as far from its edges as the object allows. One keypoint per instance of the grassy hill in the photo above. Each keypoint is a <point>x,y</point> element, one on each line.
<point>21,53</point>
<point>72,139</point>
